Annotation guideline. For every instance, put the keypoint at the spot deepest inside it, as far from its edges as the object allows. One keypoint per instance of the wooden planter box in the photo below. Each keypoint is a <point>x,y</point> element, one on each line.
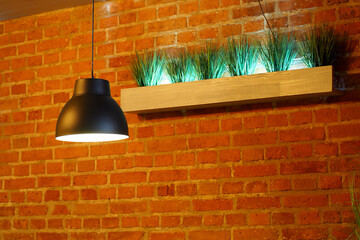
<point>264,87</point>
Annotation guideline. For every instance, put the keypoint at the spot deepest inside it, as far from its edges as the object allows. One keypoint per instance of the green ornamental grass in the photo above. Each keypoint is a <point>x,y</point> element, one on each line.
<point>147,69</point>
<point>241,57</point>
<point>180,68</point>
<point>321,46</point>
<point>356,208</point>
<point>278,52</point>
<point>209,62</point>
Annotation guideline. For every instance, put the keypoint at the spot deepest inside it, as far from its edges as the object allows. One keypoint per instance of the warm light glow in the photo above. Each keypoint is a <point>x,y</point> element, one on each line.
<point>165,81</point>
<point>92,137</point>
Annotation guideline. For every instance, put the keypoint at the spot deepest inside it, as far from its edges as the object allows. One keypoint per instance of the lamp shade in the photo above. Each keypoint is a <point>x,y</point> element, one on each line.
<point>91,115</point>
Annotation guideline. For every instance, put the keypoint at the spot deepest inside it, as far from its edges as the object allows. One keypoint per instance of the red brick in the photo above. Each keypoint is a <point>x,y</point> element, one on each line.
<point>349,147</point>
<point>306,201</point>
<point>186,190</point>
<point>18,197</point>
<point>170,221</point>
<point>326,149</point>
<point>22,236</point>
<point>300,117</point>
<point>208,33</point>
<point>37,223</point>
<point>125,235</point>
<point>188,7</point>
<point>131,177</point>
<point>276,153</point>
<point>259,138</point>
<point>18,129</point>
<point>90,209</point>
<point>211,205</point>
<point>213,220</point>
<point>209,141</point>
<point>253,234</point>
<point>22,183</point>
<point>36,210</point>
<point>127,222</point>
<point>282,218</point>
<point>110,222</point>
<point>349,113</point>
<point>207,18</point>
<point>205,235</point>
<point>152,221</point>
<point>108,22</point>
<point>108,149</point>
<point>89,194</point>
<point>166,145</point>
<point>206,157</point>
<point>209,188</point>
<point>298,4</point>
<point>300,19</point>
<point>257,219</point>
<point>231,124</point>
<point>126,192</point>
<point>254,122</point>
<point>123,32</point>
<point>304,184</point>
<point>303,167</point>
<point>169,206</point>
<point>91,223</point>
<point>52,195</point>
<point>185,159</point>
<point>34,196</point>
<point>57,236</point>
<point>128,207</point>
<point>60,210</point>
<point>192,220</point>
<point>342,131</point>
<point>253,26</point>
<point>326,115</point>
<point>253,154</point>
<point>164,130</point>
<point>87,235</point>
<point>258,202</point>
<point>58,181</point>
<point>167,175</point>
<point>127,18</point>
<point>325,16</point>
<point>255,170</point>
<point>231,30</point>
<point>93,179</point>
<point>167,25</point>
<point>309,217</point>
<point>186,37</point>
<point>301,150</point>
<point>232,187</point>
<point>331,217</point>
<point>311,233</point>
<point>296,135</point>
<point>20,223</point>
<point>167,190</point>
<point>213,173</point>
<point>256,187</point>
<point>330,182</point>
<point>9,157</point>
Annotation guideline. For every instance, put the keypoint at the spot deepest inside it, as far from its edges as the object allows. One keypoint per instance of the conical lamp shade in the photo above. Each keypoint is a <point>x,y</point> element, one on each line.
<point>91,115</point>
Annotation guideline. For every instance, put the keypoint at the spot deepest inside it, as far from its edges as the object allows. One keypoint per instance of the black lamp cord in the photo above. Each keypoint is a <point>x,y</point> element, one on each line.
<point>92,40</point>
<point>267,22</point>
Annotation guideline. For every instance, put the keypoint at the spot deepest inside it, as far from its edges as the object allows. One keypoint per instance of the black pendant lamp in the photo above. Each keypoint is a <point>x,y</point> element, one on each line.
<point>91,115</point>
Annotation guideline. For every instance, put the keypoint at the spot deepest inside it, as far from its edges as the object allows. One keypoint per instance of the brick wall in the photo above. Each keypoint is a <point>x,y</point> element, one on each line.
<point>266,171</point>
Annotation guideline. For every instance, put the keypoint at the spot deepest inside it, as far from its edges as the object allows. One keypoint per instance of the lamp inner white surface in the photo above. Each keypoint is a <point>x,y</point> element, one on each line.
<point>92,137</point>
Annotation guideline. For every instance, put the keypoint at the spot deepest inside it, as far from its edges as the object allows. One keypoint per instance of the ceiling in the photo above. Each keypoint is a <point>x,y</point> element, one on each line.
<point>20,8</point>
